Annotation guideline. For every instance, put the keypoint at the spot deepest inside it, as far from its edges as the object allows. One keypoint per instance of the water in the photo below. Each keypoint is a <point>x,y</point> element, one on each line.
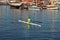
<point>11,29</point>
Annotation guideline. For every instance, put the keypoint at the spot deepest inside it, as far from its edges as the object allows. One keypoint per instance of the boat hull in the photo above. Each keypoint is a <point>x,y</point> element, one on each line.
<point>54,8</point>
<point>34,8</point>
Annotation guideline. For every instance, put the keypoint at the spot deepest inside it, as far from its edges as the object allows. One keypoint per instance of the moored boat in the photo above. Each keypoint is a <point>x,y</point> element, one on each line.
<point>53,8</point>
<point>23,5</point>
<point>33,7</point>
<point>53,5</point>
<point>15,4</point>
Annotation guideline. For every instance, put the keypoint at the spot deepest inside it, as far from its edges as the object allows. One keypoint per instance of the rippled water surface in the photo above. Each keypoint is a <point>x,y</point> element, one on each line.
<point>11,29</point>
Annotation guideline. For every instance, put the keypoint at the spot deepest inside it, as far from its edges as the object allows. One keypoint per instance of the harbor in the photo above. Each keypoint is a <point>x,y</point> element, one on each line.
<point>39,4</point>
<point>22,24</point>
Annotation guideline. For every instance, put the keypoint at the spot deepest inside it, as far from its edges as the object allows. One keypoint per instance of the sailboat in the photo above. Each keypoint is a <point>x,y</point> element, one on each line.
<point>52,5</point>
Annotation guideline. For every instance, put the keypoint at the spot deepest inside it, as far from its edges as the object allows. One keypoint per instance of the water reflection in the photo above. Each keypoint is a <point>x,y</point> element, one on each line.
<point>11,29</point>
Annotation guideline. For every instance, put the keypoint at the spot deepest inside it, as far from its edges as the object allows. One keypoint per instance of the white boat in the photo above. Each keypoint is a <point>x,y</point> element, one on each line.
<point>33,8</point>
<point>58,3</point>
<point>15,4</point>
<point>52,7</point>
<point>18,4</point>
